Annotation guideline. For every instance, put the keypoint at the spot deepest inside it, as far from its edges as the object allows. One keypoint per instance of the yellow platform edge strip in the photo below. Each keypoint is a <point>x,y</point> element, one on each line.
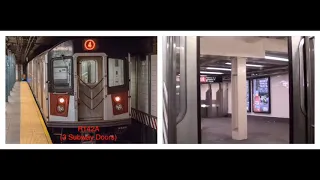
<point>44,127</point>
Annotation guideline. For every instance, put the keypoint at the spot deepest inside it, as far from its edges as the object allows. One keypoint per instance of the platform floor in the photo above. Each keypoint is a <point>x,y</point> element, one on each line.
<point>218,131</point>
<point>24,123</point>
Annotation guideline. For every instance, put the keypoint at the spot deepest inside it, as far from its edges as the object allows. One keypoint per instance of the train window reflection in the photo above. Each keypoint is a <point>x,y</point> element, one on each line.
<point>178,49</point>
<point>115,72</point>
<point>89,71</point>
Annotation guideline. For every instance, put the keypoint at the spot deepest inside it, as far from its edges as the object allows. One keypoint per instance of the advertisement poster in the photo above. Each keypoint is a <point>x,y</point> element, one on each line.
<point>261,95</point>
<point>248,96</point>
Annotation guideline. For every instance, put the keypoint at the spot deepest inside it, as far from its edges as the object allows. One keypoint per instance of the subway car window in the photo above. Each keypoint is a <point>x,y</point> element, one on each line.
<point>115,72</point>
<point>89,71</point>
<point>62,73</point>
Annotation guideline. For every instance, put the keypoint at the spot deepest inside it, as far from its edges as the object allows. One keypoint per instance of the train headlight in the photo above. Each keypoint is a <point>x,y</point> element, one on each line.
<point>61,100</point>
<point>60,109</point>
<point>119,107</point>
<point>117,98</point>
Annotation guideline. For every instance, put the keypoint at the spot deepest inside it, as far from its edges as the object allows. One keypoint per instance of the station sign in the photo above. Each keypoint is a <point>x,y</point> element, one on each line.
<point>210,79</point>
<point>206,79</point>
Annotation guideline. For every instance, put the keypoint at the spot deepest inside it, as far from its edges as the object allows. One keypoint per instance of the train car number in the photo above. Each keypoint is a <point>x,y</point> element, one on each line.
<point>90,129</point>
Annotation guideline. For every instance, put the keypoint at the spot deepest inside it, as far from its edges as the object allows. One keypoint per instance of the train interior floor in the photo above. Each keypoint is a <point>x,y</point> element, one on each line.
<point>218,131</point>
<point>24,123</point>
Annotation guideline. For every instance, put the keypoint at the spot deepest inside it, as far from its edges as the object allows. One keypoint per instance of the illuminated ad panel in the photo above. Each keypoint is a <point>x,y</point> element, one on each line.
<point>261,95</point>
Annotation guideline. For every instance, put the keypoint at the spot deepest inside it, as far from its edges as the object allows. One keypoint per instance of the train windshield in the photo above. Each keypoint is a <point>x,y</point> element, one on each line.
<point>115,72</point>
<point>62,73</point>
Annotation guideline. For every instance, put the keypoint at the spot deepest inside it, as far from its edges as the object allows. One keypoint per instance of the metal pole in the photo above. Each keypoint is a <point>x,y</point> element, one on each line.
<point>10,69</point>
<point>7,78</point>
<point>11,63</point>
<point>14,72</point>
<point>149,83</point>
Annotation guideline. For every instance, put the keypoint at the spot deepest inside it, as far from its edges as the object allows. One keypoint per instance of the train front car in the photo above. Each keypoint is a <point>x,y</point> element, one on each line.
<point>88,80</point>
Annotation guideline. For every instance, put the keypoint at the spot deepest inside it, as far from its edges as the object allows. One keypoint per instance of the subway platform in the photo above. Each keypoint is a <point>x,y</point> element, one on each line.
<point>24,122</point>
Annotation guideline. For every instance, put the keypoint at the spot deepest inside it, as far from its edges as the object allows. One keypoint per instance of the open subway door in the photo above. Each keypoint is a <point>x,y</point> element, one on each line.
<point>301,55</point>
<point>180,90</point>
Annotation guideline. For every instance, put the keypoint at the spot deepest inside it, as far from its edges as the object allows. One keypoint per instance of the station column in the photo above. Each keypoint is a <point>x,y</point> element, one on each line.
<point>238,95</point>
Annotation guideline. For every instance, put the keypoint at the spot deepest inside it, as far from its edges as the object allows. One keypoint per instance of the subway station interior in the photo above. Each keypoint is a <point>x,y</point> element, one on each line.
<point>267,121</point>
<point>244,90</point>
<point>113,89</point>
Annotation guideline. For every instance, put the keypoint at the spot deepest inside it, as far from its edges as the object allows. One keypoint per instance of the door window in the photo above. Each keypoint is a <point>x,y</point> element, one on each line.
<point>88,71</point>
<point>62,73</point>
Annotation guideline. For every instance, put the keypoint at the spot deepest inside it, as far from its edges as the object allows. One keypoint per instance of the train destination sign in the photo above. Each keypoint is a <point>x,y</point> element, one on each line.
<point>89,44</point>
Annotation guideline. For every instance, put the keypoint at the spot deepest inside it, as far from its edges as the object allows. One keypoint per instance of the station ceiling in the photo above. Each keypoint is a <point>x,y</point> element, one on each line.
<point>26,48</point>
<point>277,63</point>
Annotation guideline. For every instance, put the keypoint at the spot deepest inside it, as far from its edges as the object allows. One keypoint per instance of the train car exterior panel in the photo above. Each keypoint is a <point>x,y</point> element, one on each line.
<point>45,108</point>
<point>120,103</point>
<point>56,117</point>
<point>36,78</point>
<point>59,104</point>
<point>111,115</point>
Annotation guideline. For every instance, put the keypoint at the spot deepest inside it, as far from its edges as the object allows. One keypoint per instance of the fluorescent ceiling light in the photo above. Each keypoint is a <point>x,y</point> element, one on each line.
<point>254,65</point>
<point>250,65</point>
<point>222,69</point>
<point>208,72</point>
<point>276,58</point>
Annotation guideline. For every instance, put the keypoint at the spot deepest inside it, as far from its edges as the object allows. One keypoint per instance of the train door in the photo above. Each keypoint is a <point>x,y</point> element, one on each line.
<point>90,86</point>
<point>180,90</point>
<point>301,71</point>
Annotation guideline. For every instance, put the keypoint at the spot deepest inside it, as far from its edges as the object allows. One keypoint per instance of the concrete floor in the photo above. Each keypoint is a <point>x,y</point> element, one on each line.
<point>13,116</point>
<point>218,131</point>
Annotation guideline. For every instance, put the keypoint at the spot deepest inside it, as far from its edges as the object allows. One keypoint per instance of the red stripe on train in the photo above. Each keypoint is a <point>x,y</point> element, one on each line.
<point>59,104</point>
<point>120,103</point>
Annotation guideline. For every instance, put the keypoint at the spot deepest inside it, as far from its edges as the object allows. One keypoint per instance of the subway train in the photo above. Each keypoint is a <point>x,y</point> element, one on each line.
<point>84,82</point>
<point>181,87</point>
